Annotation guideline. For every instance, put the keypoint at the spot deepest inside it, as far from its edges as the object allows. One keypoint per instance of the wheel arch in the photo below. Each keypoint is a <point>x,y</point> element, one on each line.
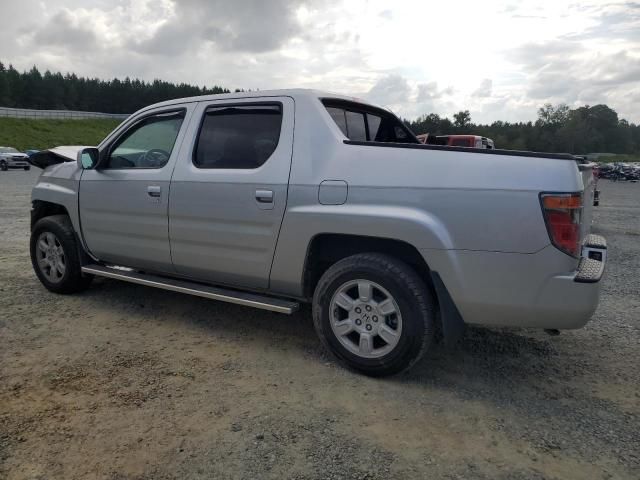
<point>71,278</point>
<point>43,208</point>
<point>325,249</point>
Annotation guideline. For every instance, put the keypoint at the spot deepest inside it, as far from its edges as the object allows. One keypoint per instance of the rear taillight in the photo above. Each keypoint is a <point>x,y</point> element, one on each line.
<point>563,214</point>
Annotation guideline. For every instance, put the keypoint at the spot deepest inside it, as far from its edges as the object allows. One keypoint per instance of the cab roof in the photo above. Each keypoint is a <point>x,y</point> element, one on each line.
<point>293,93</point>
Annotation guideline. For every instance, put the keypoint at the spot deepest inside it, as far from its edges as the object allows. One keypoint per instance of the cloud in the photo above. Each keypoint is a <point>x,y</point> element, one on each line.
<point>560,51</point>
<point>566,72</point>
<point>617,69</point>
<point>252,26</point>
<point>67,28</point>
<point>390,90</point>
<point>612,21</point>
<point>596,64</point>
<point>538,54</point>
<point>429,91</point>
<point>407,98</point>
<point>485,89</point>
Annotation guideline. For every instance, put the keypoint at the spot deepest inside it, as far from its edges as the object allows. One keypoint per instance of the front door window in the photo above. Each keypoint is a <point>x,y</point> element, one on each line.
<point>148,144</point>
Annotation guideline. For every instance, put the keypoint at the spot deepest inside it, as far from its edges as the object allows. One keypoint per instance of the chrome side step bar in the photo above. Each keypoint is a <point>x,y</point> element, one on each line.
<point>199,290</point>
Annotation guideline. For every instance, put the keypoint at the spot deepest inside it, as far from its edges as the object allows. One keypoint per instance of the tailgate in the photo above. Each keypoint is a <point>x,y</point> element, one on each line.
<point>586,170</point>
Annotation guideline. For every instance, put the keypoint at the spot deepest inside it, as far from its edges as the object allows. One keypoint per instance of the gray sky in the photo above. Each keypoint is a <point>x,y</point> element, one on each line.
<point>500,59</point>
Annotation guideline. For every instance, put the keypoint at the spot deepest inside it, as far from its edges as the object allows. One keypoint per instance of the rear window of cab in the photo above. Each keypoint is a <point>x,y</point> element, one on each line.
<point>361,123</point>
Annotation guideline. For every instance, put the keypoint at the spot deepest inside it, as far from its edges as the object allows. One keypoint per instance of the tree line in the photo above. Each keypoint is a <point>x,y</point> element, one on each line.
<point>55,91</point>
<point>586,129</point>
<point>558,128</point>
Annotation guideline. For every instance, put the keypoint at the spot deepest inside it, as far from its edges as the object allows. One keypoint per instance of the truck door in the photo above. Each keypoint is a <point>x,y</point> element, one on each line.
<point>124,203</point>
<point>229,191</point>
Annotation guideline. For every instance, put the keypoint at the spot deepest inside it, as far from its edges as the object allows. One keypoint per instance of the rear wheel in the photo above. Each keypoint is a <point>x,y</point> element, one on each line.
<point>54,255</point>
<point>374,314</point>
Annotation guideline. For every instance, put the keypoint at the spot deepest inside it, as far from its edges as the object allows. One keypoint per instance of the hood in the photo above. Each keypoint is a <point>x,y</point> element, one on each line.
<point>45,158</point>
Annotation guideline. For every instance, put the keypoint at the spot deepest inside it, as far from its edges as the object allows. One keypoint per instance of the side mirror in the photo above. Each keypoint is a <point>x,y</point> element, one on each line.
<point>88,158</point>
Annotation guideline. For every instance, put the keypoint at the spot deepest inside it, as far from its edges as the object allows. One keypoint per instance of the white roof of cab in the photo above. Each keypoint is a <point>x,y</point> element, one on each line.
<point>293,93</point>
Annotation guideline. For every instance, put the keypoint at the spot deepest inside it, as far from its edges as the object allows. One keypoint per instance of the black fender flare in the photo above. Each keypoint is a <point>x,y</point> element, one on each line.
<point>452,321</point>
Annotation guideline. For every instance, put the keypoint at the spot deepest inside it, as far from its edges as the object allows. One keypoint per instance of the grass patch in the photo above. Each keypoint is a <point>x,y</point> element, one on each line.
<point>25,134</point>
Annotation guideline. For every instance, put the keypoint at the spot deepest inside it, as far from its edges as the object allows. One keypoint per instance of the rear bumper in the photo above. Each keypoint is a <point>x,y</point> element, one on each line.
<point>572,299</point>
<point>521,290</point>
<point>589,271</point>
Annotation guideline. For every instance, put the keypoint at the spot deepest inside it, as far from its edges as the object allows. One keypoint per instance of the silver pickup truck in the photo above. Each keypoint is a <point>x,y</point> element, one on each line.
<point>270,199</point>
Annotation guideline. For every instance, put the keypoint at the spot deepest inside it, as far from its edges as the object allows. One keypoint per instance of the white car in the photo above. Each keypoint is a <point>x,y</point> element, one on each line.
<point>12,158</point>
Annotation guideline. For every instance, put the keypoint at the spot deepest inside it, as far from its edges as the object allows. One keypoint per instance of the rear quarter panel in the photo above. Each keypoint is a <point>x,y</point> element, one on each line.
<point>431,199</point>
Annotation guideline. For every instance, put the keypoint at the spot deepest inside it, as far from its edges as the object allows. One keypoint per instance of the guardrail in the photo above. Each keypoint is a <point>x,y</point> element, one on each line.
<point>56,114</point>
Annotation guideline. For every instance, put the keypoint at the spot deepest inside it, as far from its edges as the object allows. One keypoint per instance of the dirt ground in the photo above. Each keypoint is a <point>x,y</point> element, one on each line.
<point>127,382</point>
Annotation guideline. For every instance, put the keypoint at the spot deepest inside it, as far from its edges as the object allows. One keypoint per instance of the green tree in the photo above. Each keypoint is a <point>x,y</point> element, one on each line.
<point>553,115</point>
<point>54,90</point>
<point>4,88</point>
<point>462,119</point>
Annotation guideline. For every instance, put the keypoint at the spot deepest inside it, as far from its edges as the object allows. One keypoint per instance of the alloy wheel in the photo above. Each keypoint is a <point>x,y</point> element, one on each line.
<point>365,318</point>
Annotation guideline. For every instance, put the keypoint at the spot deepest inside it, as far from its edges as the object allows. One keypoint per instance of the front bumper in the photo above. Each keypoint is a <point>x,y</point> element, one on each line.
<point>18,164</point>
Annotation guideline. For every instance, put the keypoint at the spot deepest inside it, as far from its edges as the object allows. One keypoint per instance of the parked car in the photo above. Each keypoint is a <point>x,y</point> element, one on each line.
<point>467,141</point>
<point>283,197</point>
<point>629,171</point>
<point>12,158</point>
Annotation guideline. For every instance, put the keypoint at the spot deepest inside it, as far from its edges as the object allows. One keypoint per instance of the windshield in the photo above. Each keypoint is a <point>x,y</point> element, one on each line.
<point>8,150</point>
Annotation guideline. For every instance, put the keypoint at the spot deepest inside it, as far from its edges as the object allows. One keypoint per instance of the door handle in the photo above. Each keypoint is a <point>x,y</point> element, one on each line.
<point>154,191</point>
<point>264,196</point>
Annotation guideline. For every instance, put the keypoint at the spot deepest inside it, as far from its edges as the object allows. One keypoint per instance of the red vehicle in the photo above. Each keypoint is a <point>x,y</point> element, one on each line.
<point>469,141</point>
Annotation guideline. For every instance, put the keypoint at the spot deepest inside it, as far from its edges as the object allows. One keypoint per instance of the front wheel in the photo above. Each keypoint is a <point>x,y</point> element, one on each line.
<point>3,166</point>
<point>374,314</point>
<point>27,168</point>
<point>54,255</point>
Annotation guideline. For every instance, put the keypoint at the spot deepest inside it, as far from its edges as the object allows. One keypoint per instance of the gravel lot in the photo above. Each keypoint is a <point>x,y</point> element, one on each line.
<point>127,382</point>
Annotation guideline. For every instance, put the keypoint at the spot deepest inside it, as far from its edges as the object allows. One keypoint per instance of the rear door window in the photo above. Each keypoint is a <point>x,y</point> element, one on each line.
<point>238,137</point>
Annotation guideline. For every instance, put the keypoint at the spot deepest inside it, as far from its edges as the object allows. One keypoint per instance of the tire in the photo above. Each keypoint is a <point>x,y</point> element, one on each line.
<point>59,241</point>
<point>412,323</point>
<point>3,166</point>
<point>27,168</point>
